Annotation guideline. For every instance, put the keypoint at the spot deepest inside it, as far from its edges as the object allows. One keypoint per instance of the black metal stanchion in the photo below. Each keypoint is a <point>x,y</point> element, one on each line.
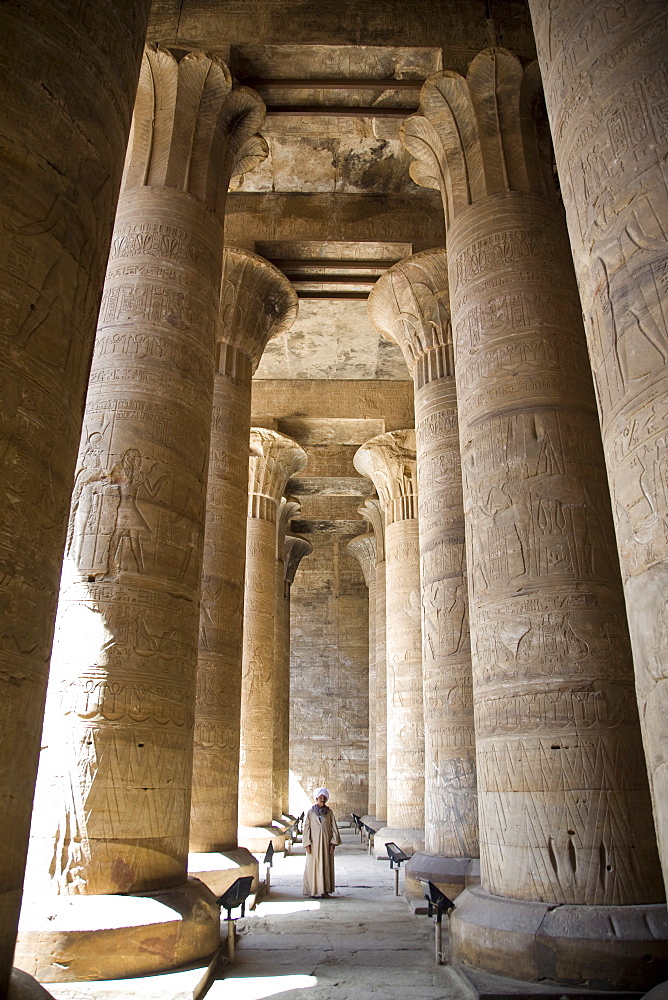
<point>236,895</point>
<point>397,857</point>
<point>268,861</point>
<point>438,901</point>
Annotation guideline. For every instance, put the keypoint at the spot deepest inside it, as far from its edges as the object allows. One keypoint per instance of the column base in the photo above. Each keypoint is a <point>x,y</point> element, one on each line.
<point>256,838</point>
<point>220,869</point>
<point>374,822</point>
<point>408,839</point>
<point>599,947</point>
<point>451,875</point>
<point>24,987</point>
<point>79,938</point>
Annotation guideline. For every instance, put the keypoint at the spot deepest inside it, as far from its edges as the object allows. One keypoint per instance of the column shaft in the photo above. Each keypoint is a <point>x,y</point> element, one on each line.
<point>405,726</point>
<point>373,707</point>
<point>451,800</point>
<point>131,584</point>
<point>606,91</point>
<point>256,302</point>
<point>381,692</point>
<point>257,731</point>
<point>547,621</point>
<point>67,90</point>
<point>213,824</point>
<point>274,459</point>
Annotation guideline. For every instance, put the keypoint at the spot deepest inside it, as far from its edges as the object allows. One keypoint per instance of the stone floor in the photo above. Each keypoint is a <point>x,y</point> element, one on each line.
<point>363,943</point>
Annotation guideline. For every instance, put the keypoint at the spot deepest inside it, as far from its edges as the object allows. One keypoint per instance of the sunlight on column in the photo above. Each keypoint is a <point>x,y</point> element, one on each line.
<point>259,988</point>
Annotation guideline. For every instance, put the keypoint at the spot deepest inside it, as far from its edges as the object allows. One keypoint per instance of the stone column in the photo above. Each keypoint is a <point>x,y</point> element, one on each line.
<point>120,724</point>
<point>257,302</point>
<point>281,677</point>
<point>565,821</point>
<point>274,459</point>
<point>363,549</point>
<point>372,512</point>
<point>67,89</point>
<point>606,91</point>
<point>389,461</point>
<point>410,306</point>
<point>296,549</point>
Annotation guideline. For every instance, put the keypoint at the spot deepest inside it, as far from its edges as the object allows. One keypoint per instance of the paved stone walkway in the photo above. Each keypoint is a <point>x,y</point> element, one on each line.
<point>363,943</point>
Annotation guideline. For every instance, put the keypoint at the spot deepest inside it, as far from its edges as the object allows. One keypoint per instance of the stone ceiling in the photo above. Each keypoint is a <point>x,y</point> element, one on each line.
<point>333,205</point>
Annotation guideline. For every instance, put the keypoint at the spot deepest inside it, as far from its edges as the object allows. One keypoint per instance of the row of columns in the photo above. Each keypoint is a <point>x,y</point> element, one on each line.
<point>147,680</point>
<point>492,333</point>
<point>558,782</point>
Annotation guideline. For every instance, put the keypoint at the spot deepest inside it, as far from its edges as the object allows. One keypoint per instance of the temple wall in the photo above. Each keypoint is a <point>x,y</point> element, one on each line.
<point>329,732</point>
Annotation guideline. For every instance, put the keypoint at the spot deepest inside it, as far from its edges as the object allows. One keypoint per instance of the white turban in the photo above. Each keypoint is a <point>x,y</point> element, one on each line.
<point>321,791</point>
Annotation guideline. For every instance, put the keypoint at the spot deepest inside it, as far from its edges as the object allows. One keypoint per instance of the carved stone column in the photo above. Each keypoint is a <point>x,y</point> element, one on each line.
<point>295,550</point>
<point>565,822</point>
<point>281,678</point>
<point>410,306</point>
<point>603,68</point>
<point>66,95</point>
<point>363,549</point>
<point>389,461</point>
<point>372,512</point>
<point>257,302</point>
<point>122,700</point>
<point>274,459</point>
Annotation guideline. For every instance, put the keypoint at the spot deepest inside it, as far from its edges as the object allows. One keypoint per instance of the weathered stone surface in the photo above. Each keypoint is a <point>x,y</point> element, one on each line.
<point>274,459</point>
<point>451,875</point>
<point>295,550</point>
<point>559,782</point>
<point>256,303</point>
<point>372,513</point>
<point>603,947</point>
<point>130,588</point>
<point>606,91</point>
<point>79,938</point>
<point>410,305</point>
<point>389,460</point>
<point>363,548</point>
<point>329,710</point>
<point>67,89</point>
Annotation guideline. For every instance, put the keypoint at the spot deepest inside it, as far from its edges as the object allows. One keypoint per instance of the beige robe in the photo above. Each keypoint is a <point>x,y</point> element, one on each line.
<point>318,834</point>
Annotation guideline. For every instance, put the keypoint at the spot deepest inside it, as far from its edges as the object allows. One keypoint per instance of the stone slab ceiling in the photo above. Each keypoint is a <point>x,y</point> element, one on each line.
<point>333,205</point>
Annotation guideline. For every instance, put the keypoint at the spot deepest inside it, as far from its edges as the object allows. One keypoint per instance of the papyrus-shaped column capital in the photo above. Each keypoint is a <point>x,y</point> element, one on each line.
<point>191,127</point>
<point>274,459</point>
<point>372,511</point>
<point>482,134</point>
<point>363,548</point>
<point>409,305</point>
<point>257,302</point>
<point>389,461</point>
<point>294,550</point>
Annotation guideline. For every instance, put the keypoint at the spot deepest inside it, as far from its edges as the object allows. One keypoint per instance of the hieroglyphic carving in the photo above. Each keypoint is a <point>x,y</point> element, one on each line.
<point>274,459</point>
<point>389,461</point>
<point>363,548</point>
<point>247,319</point>
<point>410,305</point>
<point>136,534</point>
<point>62,160</point>
<point>606,89</point>
<point>538,522</point>
<point>372,512</point>
<point>288,508</point>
